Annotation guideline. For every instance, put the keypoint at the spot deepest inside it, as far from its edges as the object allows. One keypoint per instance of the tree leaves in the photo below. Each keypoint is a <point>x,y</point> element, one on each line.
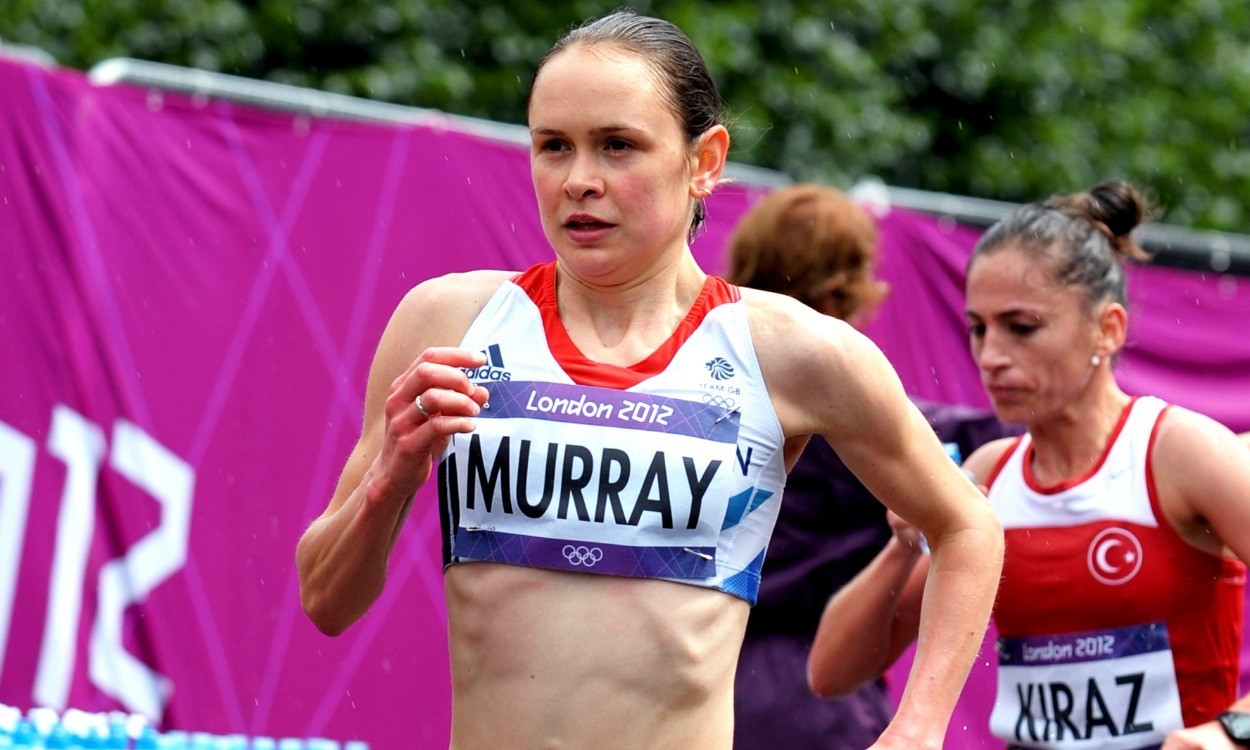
<point>1012,100</point>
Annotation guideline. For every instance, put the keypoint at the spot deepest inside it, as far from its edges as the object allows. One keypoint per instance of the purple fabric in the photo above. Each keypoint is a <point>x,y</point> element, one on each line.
<point>574,555</point>
<point>828,529</point>
<point>830,526</point>
<point>578,404</point>
<point>191,295</point>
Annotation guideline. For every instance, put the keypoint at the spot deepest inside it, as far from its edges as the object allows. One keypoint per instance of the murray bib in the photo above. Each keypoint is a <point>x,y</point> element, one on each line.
<point>671,468</point>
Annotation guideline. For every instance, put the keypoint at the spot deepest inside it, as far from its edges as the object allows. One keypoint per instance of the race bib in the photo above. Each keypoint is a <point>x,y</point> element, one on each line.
<point>1098,690</point>
<point>593,480</point>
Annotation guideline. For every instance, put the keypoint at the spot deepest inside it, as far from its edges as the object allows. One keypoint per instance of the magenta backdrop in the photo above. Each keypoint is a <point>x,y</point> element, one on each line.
<point>191,294</point>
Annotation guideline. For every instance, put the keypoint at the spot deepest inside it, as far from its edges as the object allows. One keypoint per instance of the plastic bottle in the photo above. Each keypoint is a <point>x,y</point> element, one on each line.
<point>25,734</point>
<point>147,739</point>
<point>25,737</point>
<point>59,738</point>
<point>9,716</point>
<point>175,740</point>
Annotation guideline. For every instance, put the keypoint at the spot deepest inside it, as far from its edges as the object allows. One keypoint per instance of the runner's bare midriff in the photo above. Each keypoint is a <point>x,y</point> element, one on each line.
<point>551,659</point>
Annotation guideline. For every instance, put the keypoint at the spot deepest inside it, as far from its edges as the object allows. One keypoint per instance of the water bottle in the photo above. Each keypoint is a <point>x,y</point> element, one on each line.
<point>148,739</point>
<point>25,737</point>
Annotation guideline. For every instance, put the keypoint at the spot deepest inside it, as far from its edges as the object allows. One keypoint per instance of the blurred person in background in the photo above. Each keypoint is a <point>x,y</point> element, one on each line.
<point>1127,519</point>
<point>815,244</point>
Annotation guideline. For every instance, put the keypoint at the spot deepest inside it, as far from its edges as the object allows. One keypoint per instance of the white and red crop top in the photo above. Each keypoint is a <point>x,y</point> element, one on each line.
<point>671,468</point>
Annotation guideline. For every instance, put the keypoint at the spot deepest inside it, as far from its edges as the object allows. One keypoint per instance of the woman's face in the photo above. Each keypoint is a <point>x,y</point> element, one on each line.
<point>1031,337</point>
<point>611,165</point>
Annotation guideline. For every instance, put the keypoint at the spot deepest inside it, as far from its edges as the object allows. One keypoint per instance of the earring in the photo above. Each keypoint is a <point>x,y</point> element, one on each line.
<point>1095,360</point>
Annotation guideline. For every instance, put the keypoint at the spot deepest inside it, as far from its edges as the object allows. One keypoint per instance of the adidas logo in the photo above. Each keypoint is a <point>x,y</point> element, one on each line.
<point>494,367</point>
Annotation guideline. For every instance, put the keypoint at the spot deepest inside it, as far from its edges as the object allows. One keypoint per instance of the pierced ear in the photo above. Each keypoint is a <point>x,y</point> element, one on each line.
<point>711,151</point>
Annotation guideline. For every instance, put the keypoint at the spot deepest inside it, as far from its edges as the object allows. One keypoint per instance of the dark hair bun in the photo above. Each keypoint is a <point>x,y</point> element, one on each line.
<point>1118,205</point>
<point>1115,208</point>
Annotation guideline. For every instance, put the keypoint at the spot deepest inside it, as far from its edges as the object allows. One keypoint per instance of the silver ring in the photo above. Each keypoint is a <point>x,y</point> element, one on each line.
<point>421,408</point>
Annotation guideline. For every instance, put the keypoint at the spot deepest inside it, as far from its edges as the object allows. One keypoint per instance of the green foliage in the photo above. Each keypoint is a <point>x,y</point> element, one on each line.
<point>1012,100</point>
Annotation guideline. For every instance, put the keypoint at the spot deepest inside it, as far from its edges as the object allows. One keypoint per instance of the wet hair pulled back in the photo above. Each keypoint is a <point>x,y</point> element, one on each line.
<point>684,79</point>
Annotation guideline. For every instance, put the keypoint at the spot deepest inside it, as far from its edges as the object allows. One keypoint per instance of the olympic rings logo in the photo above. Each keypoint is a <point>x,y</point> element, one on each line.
<point>580,555</point>
<point>721,401</point>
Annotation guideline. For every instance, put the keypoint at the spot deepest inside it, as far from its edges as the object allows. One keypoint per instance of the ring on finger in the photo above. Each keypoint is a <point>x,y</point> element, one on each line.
<point>421,408</point>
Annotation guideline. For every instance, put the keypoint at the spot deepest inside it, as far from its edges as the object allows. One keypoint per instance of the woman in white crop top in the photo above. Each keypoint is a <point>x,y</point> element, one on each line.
<point>620,371</point>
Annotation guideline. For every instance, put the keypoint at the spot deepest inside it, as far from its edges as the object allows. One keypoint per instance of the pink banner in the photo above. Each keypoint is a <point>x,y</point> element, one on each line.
<point>191,297</point>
